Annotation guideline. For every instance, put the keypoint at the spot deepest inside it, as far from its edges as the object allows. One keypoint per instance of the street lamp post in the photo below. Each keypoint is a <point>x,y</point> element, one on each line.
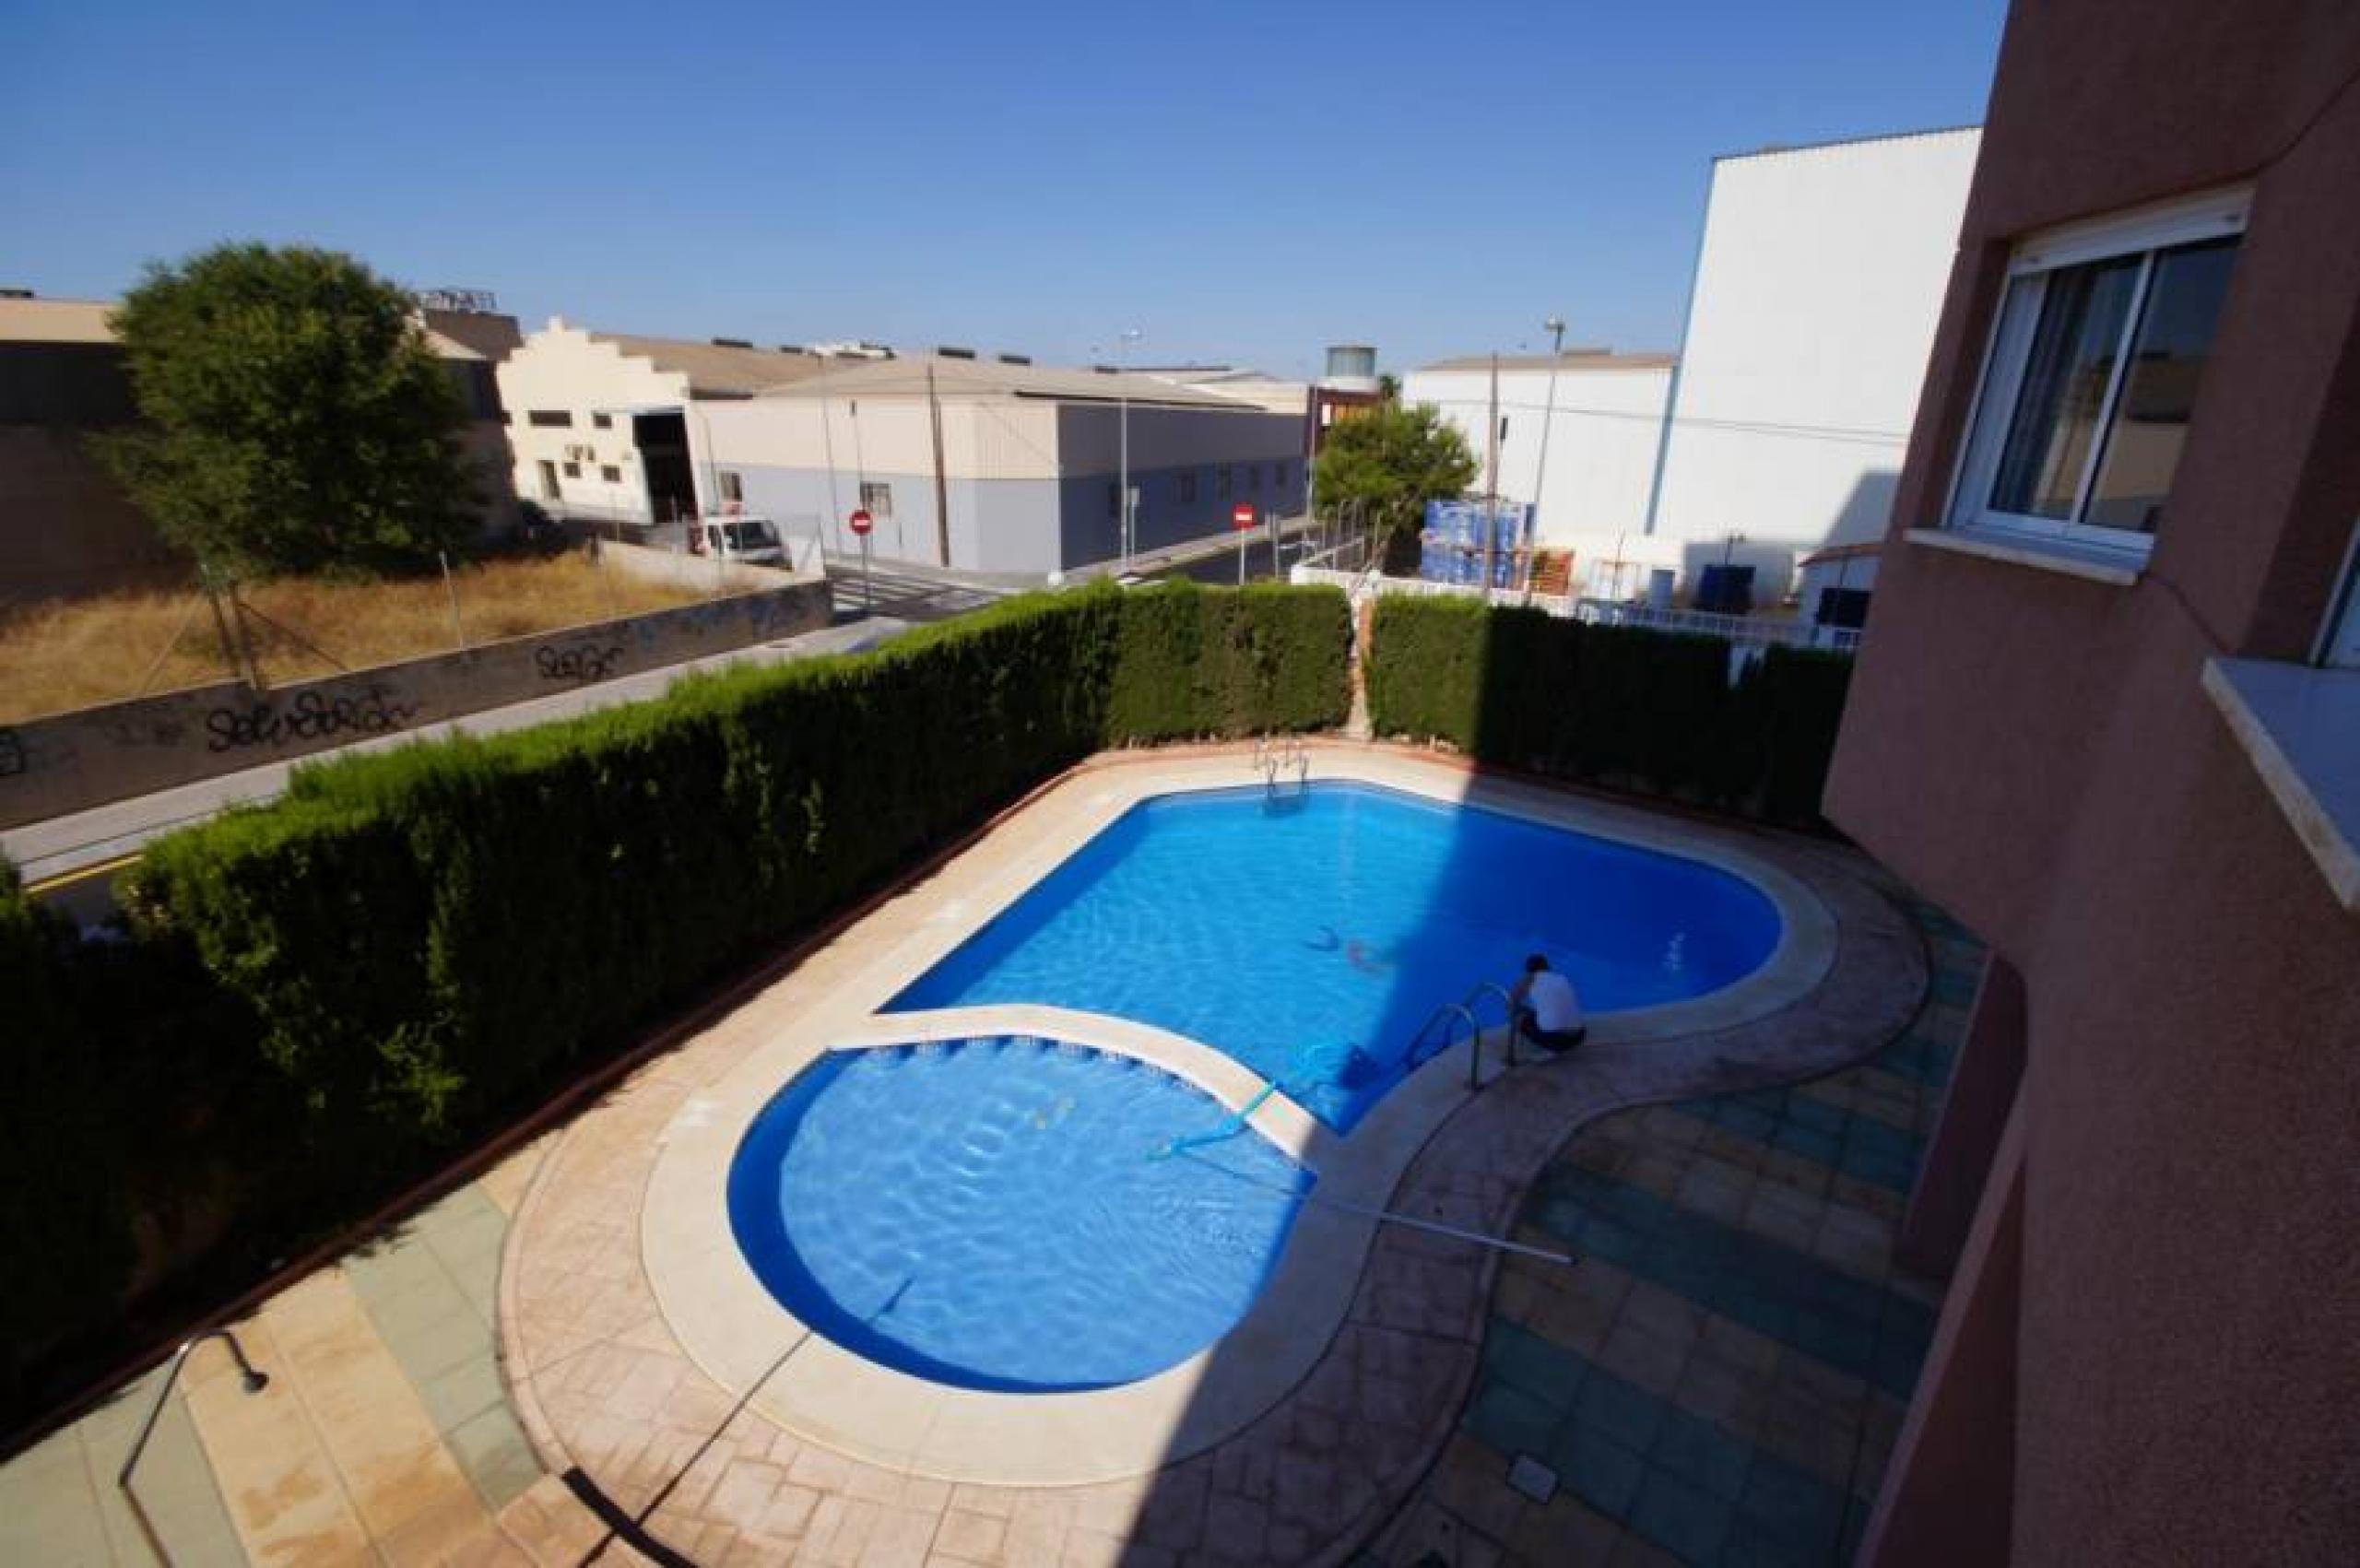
<point>1555,328</point>
<point>1129,335</point>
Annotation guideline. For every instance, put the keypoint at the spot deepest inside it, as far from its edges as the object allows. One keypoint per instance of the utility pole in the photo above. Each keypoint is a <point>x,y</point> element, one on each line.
<point>1491,478</point>
<point>1123,341</point>
<point>941,490</point>
<point>1555,328</point>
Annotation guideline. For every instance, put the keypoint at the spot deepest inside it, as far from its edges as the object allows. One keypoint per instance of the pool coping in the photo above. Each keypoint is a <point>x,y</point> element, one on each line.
<point>753,1348</point>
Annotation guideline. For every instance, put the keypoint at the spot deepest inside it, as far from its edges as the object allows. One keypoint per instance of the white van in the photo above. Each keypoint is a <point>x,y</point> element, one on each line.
<point>751,539</point>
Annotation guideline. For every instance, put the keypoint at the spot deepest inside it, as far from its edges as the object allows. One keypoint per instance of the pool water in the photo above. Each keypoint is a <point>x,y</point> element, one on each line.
<point>999,1213</point>
<point>1310,937</point>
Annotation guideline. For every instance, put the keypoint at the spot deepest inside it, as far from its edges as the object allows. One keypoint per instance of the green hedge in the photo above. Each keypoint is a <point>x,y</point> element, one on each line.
<point>66,1247</point>
<point>433,933</point>
<point>1622,706</point>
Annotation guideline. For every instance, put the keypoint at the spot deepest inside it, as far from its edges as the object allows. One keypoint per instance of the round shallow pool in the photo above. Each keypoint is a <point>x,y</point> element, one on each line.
<point>1002,1213</point>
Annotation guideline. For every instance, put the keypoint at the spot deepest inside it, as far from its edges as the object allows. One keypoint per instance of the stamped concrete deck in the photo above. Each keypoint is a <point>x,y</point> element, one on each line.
<point>380,1439</point>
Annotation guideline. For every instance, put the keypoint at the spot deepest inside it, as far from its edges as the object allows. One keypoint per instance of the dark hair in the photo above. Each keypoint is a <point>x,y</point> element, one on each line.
<point>1535,963</point>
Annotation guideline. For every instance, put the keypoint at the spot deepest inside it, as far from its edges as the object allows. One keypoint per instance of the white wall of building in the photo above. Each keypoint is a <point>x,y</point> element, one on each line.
<point>1601,439</point>
<point>563,369</point>
<point>1818,287</point>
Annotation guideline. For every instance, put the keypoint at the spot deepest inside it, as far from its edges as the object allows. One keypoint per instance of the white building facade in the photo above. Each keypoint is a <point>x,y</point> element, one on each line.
<point>1600,432</point>
<point>1818,283</point>
<point>604,427</point>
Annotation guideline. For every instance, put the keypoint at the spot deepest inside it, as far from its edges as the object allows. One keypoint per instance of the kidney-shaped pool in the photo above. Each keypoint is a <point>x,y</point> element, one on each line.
<point>1311,934</point>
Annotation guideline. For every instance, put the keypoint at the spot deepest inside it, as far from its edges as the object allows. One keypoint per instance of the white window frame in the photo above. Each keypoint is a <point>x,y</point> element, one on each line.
<point>876,497</point>
<point>2339,646</point>
<point>2215,216</point>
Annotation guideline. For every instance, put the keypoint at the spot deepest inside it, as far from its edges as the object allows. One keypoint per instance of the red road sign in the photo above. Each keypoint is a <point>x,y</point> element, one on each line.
<point>862,522</point>
<point>1242,514</point>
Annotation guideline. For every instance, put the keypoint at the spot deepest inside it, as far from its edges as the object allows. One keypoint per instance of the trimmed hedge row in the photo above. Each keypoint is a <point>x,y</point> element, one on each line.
<point>65,1228</point>
<point>431,934</point>
<point>1622,706</point>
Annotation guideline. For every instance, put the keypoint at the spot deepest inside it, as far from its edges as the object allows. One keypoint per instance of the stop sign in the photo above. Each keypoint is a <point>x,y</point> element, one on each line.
<point>1242,514</point>
<point>861,521</point>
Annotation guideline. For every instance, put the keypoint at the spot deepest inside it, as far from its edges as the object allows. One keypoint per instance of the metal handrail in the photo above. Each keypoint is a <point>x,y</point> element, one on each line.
<point>1507,1010</point>
<point>255,1382</point>
<point>1474,1037</point>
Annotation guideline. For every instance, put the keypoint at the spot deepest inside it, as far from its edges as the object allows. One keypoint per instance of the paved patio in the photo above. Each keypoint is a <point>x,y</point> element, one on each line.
<point>398,1430</point>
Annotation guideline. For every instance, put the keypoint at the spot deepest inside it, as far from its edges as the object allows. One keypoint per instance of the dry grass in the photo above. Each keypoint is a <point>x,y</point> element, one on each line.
<point>79,653</point>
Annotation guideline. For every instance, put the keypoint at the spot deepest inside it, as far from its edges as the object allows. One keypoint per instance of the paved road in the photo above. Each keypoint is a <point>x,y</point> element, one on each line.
<point>63,846</point>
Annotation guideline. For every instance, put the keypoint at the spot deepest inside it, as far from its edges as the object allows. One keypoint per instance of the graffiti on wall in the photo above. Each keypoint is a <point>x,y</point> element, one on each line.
<point>582,663</point>
<point>310,716</point>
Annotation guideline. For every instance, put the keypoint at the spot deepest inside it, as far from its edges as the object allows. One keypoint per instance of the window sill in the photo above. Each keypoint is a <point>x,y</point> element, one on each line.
<point>2301,729</point>
<point>2045,555</point>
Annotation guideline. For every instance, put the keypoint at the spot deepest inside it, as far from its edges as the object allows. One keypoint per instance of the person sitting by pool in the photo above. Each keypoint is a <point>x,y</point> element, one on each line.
<point>1548,1012</point>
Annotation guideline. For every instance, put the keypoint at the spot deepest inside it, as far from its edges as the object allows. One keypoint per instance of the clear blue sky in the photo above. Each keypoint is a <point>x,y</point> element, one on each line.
<point>1241,182</point>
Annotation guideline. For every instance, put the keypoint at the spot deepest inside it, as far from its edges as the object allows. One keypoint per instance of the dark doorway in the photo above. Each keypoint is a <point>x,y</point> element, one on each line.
<point>663,443</point>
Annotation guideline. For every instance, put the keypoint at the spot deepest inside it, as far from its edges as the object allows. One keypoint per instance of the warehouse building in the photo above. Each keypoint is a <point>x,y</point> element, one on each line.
<point>66,527</point>
<point>1778,430</point>
<point>599,422</point>
<point>1818,283</point>
<point>1601,432</point>
<point>999,465</point>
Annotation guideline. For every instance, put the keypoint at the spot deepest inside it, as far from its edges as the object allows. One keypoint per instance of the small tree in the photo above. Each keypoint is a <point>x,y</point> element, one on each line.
<point>294,419</point>
<point>1392,460</point>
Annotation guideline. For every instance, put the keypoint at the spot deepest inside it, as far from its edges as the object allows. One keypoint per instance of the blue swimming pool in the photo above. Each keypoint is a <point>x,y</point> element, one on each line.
<point>1284,933</point>
<point>998,1214</point>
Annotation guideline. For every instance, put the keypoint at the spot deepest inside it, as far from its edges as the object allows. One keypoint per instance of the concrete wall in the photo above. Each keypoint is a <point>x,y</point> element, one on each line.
<point>49,767</point>
<point>2033,750</point>
<point>1818,286</point>
<point>1602,440</point>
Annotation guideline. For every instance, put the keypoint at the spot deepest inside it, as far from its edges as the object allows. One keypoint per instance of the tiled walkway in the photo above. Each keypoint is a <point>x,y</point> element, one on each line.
<point>1721,1378</point>
<point>386,1435</point>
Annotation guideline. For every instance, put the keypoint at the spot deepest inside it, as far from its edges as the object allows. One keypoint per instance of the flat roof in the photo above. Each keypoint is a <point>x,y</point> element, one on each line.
<point>971,379</point>
<point>89,321</point>
<point>1572,360</point>
<point>1776,150</point>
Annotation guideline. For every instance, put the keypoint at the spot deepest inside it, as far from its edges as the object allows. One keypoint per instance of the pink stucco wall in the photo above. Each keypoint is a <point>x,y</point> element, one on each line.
<point>2035,752</point>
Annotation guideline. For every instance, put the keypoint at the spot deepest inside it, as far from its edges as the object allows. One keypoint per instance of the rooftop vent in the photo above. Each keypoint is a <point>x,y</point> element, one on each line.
<point>1016,358</point>
<point>947,352</point>
<point>733,343</point>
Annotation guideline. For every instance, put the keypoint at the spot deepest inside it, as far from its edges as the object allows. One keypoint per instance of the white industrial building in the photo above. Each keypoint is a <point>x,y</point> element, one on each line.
<point>1818,287</point>
<point>998,465</point>
<point>1778,429</point>
<point>600,423</point>
<point>1601,437</point>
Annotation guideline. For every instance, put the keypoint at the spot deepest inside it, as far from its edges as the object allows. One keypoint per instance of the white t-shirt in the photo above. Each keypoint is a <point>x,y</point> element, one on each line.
<point>1555,1007</point>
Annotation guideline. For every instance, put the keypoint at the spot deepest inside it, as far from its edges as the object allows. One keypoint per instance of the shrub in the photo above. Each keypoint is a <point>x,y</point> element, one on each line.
<point>66,1246</point>
<point>435,931</point>
<point>1623,706</point>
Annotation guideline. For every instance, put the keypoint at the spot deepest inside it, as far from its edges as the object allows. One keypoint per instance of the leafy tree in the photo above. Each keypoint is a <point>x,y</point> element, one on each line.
<point>1392,460</point>
<point>294,417</point>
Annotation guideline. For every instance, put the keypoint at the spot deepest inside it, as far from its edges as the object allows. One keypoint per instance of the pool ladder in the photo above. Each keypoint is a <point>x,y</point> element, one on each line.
<point>1452,1014</point>
<point>1275,755</point>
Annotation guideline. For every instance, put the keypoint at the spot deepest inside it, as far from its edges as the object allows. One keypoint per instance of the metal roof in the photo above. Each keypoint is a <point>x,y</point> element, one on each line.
<point>1573,360</point>
<point>89,320</point>
<point>717,370</point>
<point>969,380</point>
